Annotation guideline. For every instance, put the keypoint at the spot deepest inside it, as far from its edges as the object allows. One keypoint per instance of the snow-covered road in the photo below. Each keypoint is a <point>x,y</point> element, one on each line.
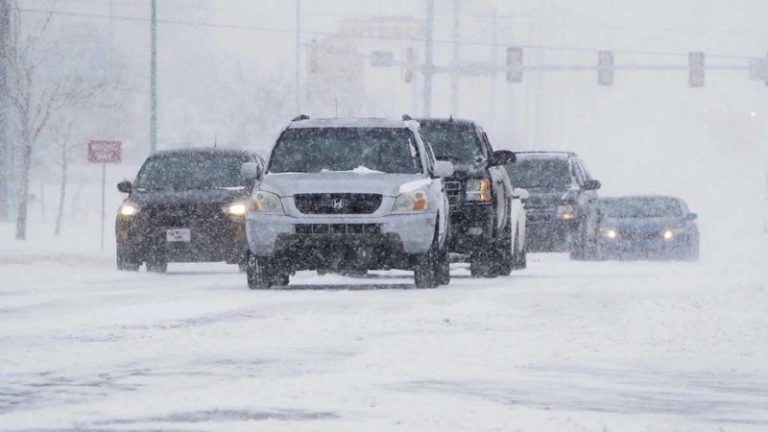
<point>562,346</point>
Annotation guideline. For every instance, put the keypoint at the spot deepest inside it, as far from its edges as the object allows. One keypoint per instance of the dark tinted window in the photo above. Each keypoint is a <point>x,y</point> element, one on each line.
<point>190,172</point>
<point>539,173</point>
<point>452,141</point>
<point>641,207</point>
<point>311,150</point>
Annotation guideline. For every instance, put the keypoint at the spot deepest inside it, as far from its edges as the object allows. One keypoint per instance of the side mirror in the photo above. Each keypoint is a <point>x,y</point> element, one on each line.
<point>591,185</point>
<point>251,171</point>
<point>443,169</point>
<point>502,157</point>
<point>520,193</point>
<point>125,186</point>
<point>691,216</point>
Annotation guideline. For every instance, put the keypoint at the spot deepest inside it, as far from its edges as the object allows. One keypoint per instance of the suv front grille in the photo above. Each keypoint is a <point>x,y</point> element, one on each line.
<point>454,189</point>
<point>540,214</point>
<point>337,229</point>
<point>337,203</point>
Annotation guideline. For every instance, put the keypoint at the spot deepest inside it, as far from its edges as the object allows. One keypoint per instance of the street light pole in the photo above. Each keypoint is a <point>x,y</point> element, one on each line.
<point>298,57</point>
<point>153,80</point>
<point>428,59</point>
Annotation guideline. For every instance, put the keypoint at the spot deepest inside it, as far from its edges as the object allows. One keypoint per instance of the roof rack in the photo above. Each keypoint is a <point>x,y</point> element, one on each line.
<point>406,117</point>
<point>301,117</point>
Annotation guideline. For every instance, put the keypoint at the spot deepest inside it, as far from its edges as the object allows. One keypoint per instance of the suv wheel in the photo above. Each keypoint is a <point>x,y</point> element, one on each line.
<point>427,269</point>
<point>263,274</point>
<point>444,267</point>
<point>483,264</point>
<point>157,266</point>
<point>520,257</point>
<point>124,264</point>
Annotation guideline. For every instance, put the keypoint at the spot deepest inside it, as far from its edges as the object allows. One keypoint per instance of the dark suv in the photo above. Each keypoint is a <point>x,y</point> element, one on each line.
<point>185,206</point>
<point>562,209</point>
<point>487,216</point>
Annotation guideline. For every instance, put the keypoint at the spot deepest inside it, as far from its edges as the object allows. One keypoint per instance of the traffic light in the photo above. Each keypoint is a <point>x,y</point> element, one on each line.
<point>605,68</point>
<point>514,64</point>
<point>696,68</point>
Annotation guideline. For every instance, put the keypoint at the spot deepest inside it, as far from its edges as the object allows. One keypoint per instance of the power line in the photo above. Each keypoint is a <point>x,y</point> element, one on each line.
<point>368,37</point>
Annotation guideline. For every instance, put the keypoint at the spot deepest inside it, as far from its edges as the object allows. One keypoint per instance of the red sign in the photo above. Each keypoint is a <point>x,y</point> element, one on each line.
<point>105,151</point>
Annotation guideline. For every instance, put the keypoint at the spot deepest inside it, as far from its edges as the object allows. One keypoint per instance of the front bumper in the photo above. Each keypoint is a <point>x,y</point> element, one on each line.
<point>650,248</point>
<point>210,241</point>
<point>472,227</point>
<point>271,235</point>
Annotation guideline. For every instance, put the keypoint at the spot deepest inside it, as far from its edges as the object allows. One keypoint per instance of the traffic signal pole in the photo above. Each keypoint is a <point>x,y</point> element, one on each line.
<point>5,145</point>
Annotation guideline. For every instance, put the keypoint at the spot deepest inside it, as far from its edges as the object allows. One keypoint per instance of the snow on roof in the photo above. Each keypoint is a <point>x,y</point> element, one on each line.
<point>544,154</point>
<point>350,123</point>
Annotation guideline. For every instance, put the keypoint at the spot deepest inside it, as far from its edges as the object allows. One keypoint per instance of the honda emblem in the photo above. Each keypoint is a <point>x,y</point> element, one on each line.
<point>338,204</point>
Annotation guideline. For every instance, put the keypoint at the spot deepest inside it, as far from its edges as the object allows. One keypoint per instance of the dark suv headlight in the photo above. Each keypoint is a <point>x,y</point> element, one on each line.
<point>479,190</point>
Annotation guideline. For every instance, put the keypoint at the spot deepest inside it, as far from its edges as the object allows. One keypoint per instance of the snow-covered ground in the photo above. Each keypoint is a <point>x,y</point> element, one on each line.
<point>562,346</point>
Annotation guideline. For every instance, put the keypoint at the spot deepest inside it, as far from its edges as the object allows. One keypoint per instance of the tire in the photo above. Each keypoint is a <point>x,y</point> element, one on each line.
<point>425,272</point>
<point>520,260</point>
<point>259,274</point>
<point>157,266</point>
<point>692,254</point>
<point>483,265</point>
<point>444,268</point>
<point>123,264</point>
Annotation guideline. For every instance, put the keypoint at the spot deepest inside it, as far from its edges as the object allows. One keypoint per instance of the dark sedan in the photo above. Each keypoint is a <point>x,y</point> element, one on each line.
<point>648,227</point>
<point>185,206</point>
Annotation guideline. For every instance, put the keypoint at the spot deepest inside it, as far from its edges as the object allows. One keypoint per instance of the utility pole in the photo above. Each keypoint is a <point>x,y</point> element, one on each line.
<point>298,57</point>
<point>495,63</point>
<point>428,58</point>
<point>153,80</point>
<point>455,58</point>
<point>5,145</point>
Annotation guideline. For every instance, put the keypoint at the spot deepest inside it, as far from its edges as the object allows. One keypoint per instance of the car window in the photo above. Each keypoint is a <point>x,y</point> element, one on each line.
<point>540,173</point>
<point>641,207</point>
<point>456,142</point>
<point>581,177</point>
<point>312,150</point>
<point>192,171</point>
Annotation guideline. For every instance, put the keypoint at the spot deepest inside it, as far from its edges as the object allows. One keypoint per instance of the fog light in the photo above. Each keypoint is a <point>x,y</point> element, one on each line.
<point>568,216</point>
<point>668,235</point>
<point>611,234</point>
<point>474,231</point>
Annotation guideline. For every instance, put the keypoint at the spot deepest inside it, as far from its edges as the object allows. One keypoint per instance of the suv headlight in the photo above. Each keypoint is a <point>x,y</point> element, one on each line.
<point>609,233</point>
<point>411,202</point>
<point>479,190</point>
<point>266,202</point>
<point>238,208</point>
<point>566,212</point>
<point>128,209</point>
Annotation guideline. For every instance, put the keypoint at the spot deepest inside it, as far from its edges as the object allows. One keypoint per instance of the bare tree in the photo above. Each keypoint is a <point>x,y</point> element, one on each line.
<point>64,145</point>
<point>38,92</point>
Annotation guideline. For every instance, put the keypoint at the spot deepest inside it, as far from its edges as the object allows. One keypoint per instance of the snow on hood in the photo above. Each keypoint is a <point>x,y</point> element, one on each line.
<point>289,184</point>
<point>359,170</point>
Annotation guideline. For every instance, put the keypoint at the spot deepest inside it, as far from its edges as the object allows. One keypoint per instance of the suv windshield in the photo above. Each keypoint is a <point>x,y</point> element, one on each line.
<point>452,141</point>
<point>539,173</point>
<point>656,207</point>
<point>312,150</point>
<point>180,172</point>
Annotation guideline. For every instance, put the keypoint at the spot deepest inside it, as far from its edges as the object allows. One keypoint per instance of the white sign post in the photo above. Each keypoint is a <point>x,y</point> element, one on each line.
<point>104,152</point>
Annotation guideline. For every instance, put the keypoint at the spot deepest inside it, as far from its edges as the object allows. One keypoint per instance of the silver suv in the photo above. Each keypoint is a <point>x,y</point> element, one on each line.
<point>348,195</point>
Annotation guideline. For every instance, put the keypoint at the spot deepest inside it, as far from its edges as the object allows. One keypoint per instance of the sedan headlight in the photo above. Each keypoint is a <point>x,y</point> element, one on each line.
<point>266,202</point>
<point>236,209</point>
<point>566,212</point>
<point>609,233</point>
<point>479,190</point>
<point>411,202</point>
<point>672,233</point>
<point>128,209</point>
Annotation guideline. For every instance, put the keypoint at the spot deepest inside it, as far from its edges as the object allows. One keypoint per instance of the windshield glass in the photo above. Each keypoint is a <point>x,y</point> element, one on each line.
<point>641,207</point>
<point>312,150</point>
<point>539,173</point>
<point>452,141</point>
<point>190,172</point>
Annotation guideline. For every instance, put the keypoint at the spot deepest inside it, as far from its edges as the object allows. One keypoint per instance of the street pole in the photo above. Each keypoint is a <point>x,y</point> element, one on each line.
<point>153,80</point>
<point>428,58</point>
<point>103,200</point>
<point>298,57</point>
<point>455,58</point>
<point>5,145</point>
